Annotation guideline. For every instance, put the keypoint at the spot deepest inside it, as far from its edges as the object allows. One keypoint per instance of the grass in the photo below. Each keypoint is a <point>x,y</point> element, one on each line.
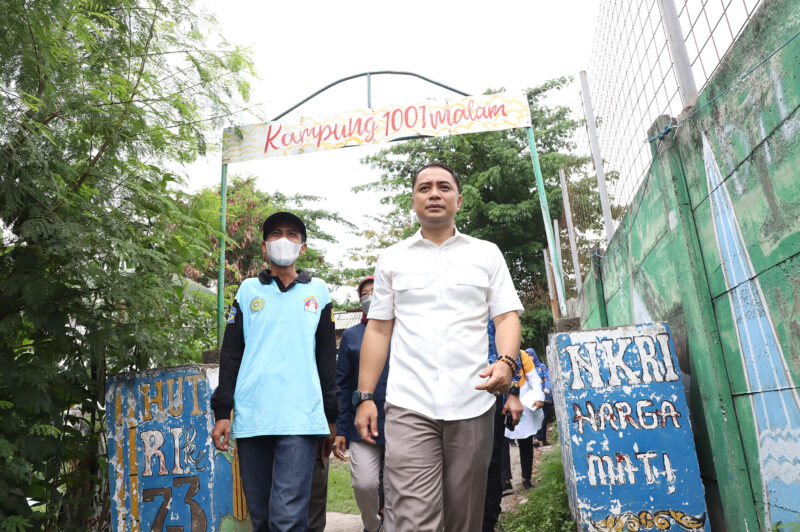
<point>340,494</point>
<point>546,509</point>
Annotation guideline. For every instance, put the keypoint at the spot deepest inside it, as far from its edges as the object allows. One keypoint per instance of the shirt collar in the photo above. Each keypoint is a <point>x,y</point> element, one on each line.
<point>266,277</point>
<point>417,237</point>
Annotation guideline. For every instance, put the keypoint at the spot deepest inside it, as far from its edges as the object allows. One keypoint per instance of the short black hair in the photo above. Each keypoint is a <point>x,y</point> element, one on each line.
<point>443,166</point>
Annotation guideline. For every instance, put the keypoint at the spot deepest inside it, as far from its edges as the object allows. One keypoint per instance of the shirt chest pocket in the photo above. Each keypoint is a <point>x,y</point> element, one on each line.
<point>471,286</point>
<point>410,287</point>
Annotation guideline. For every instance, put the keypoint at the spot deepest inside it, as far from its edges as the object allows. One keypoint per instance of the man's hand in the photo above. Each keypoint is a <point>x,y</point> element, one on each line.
<point>367,421</point>
<point>499,380</point>
<point>327,445</point>
<point>339,448</point>
<point>221,435</point>
<point>514,406</point>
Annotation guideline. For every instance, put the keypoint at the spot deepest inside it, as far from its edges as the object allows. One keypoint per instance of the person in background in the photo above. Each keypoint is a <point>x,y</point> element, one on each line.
<point>505,464</point>
<point>532,399</point>
<point>505,405</point>
<point>318,503</point>
<point>549,410</point>
<point>366,461</point>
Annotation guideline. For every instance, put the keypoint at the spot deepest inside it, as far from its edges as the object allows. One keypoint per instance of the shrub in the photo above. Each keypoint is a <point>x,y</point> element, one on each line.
<point>546,509</point>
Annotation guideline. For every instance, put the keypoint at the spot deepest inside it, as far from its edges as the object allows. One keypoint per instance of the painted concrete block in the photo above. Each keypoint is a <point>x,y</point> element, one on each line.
<point>626,438</point>
<point>164,472</point>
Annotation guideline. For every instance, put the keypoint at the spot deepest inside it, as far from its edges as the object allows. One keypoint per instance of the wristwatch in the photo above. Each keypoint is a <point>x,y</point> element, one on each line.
<point>360,397</point>
<point>514,389</point>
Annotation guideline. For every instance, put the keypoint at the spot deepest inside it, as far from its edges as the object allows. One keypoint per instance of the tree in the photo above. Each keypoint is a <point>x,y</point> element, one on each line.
<point>247,208</point>
<point>98,98</point>
<point>500,201</point>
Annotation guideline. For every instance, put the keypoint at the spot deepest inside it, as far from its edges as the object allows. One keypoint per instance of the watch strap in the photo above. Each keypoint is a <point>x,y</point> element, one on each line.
<point>360,397</point>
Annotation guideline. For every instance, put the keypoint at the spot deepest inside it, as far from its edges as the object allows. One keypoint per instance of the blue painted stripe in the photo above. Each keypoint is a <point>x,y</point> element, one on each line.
<point>775,405</point>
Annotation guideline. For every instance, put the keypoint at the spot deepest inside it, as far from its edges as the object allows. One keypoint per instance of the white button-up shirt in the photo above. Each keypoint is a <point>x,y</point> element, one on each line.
<point>440,298</point>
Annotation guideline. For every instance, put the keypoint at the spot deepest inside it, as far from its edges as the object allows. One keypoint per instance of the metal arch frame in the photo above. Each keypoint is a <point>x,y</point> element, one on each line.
<point>534,160</point>
<point>369,87</point>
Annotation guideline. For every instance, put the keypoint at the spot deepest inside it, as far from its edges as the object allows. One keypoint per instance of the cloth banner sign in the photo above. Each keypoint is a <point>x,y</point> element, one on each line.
<point>472,114</point>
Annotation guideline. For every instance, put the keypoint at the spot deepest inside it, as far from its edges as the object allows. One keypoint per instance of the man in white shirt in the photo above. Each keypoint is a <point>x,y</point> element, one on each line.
<point>433,295</point>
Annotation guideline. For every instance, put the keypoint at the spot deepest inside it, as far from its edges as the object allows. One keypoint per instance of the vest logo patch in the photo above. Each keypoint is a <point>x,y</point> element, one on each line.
<point>232,315</point>
<point>310,304</point>
<point>256,304</point>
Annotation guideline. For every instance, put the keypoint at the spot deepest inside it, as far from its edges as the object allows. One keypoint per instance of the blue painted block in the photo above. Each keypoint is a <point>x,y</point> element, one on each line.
<point>626,439</point>
<point>164,473</point>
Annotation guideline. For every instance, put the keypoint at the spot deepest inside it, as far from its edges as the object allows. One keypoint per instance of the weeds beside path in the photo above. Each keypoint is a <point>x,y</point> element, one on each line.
<point>543,508</point>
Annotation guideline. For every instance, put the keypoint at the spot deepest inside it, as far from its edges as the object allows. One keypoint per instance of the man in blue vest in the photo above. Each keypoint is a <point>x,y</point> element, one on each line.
<point>278,370</point>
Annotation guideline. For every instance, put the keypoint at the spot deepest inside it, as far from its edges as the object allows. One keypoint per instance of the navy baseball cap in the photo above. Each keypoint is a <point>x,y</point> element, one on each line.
<point>284,216</point>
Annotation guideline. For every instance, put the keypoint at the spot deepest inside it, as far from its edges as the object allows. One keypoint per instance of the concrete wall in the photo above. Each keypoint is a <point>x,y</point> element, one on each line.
<point>711,244</point>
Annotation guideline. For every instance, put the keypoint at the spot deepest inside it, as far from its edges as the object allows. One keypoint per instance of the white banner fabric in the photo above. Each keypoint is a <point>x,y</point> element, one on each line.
<point>472,114</point>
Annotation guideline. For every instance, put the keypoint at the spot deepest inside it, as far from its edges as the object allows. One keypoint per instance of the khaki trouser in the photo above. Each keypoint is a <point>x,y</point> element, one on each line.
<point>436,470</point>
<point>366,472</point>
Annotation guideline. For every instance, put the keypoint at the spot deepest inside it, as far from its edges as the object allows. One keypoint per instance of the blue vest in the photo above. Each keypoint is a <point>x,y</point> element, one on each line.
<point>278,389</point>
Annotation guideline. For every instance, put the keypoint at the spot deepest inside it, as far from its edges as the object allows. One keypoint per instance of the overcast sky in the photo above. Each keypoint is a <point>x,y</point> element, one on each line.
<point>299,47</point>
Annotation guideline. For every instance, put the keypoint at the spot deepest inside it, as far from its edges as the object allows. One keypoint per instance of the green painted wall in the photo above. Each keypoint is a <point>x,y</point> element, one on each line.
<point>665,262</point>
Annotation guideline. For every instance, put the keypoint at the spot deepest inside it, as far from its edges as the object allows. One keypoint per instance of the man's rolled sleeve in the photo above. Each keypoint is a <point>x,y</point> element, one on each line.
<point>382,305</point>
<point>502,296</point>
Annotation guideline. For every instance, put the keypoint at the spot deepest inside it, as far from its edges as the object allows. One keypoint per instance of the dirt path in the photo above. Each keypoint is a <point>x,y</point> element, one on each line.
<point>510,502</point>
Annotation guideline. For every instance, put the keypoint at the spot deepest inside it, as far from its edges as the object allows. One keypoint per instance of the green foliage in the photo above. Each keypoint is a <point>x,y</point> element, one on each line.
<point>547,508</point>
<point>97,97</point>
<point>247,208</point>
<point>500,199</point>
<point>340,491</point>
<point>15,523</point>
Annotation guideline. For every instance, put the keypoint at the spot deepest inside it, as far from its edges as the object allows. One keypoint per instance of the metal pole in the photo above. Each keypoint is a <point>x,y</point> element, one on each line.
<point>570,230</point>
<point>557,237</point>
<point>369,91</point>
<point>537,171</point>
<point>677,50</point>
<point>221,269</point>
<point>549,271</point>
<point>598,160</point>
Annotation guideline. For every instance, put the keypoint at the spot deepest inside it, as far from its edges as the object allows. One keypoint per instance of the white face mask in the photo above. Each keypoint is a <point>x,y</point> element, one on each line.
<point>283,251</point>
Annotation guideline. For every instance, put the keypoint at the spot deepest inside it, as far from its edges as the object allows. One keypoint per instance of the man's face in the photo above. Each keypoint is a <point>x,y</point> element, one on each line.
<point>285,230</point>
<point>435,198</point>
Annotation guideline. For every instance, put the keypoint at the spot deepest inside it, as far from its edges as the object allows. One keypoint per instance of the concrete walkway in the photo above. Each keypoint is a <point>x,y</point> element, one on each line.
<point>336,522</point>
